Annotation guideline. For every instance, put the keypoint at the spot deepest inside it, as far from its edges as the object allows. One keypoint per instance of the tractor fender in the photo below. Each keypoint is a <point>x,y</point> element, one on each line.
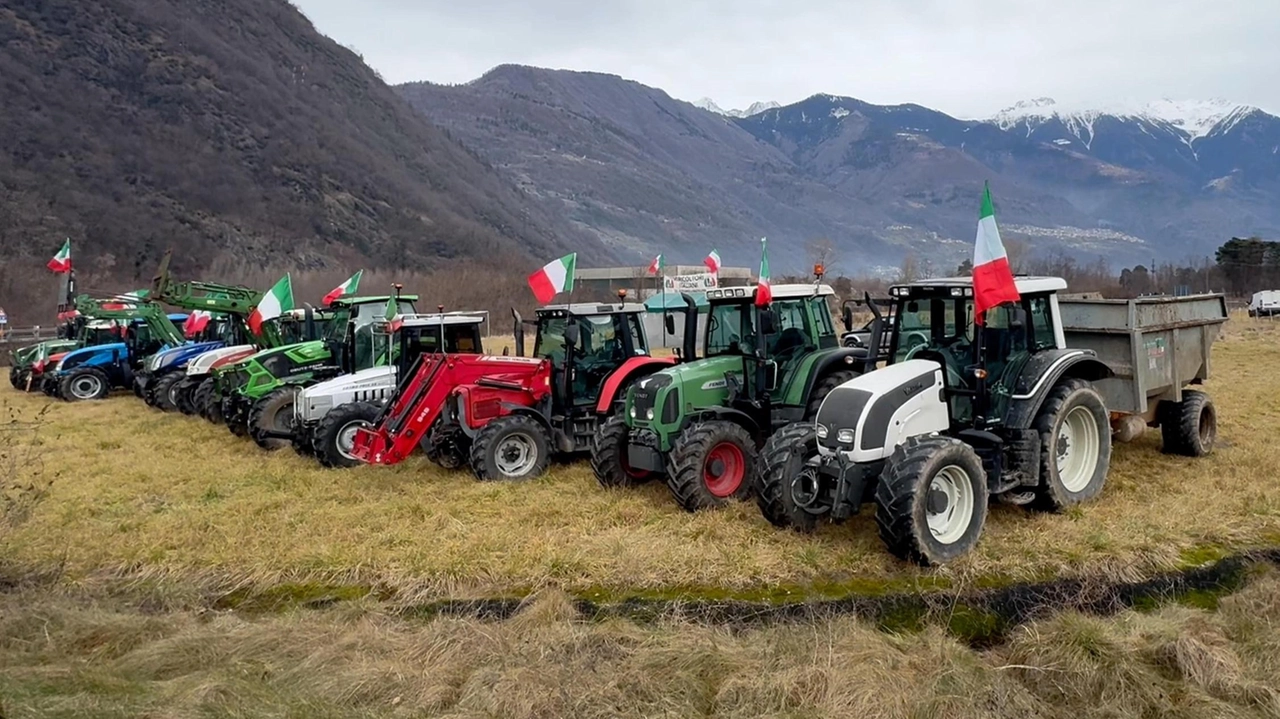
<point>617,381</point>
<point>461,401</point>
<point>828,361</point>
<point>727,414</point>
<point>1041,373</point>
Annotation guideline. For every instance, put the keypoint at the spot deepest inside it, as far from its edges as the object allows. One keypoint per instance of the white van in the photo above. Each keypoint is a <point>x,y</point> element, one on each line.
<point>1265,303</point>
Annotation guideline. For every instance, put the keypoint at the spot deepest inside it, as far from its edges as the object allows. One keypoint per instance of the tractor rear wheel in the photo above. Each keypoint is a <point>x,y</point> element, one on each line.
<point>1075,446</point>
<point>272,413</point>
<point>85,383</point>
<point>710,464</point>
<point>823,388</point>
<point>209,402</point>
<point>931,500</point>
<point>335,436</point>
<point>1189,427</point>
<point>512,447</point>
<point>787,487</point>
<point>609,455</point>
<point>446,445</point>
<point>162,391</point>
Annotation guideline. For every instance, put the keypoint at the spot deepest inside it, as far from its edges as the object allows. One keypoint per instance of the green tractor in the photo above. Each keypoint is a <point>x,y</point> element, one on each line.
<point>701,423</point>
<point>256,394</point>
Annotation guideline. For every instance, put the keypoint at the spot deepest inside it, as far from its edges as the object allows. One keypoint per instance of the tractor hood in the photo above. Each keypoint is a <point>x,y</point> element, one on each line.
<point>178,356</point>
<point>203,363</point>
<point>95,354</point>
<point>367,385</point>
<point>656,401</point>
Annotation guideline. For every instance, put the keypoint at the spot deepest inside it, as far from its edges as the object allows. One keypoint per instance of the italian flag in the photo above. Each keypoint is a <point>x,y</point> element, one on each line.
<point>392,314</point>
<point>764,291</point>
<point>127,301</point>
<point>196,322</point>
<point>656,266</point>
<point>713,262</point>
<point>554,277</point>
<point>61,262</point>
<point>993,283</point>
<point>277,300</point>
<point>346,289</point>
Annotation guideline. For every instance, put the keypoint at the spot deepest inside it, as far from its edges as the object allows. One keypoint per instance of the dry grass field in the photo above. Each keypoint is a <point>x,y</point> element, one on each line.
<point>136,549</point>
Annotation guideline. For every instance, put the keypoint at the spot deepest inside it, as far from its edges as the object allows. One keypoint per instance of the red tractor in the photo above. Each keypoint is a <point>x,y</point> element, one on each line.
<point>506,416</point>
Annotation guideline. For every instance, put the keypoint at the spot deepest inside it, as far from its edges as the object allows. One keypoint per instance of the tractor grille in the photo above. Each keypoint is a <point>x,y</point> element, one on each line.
<point>644,394</point>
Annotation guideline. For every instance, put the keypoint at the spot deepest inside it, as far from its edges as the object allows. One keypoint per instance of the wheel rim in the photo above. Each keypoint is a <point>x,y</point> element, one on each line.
<point>85,387</point>
<point>281,421</point>
<point>724,469</point>
<point>1208,427</point>
<point>516,455</point>
<point>950,504</point>
<point>173,394</point>
<point>1077,450</point>
<point>346,439</point>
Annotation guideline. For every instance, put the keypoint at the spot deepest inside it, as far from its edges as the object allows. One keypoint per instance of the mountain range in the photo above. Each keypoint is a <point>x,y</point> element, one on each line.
<point>649,173</point>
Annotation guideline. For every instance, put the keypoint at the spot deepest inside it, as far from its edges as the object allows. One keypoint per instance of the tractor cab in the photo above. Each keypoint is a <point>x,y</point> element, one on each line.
<point>356,335</point>
<point>601,338</point>
<point>411,336</point>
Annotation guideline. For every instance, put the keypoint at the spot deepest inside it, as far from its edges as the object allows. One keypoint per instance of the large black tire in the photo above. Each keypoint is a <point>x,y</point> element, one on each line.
<point>515,447</point>
<point>84,383</point>
<point>136,385</point>
<point>162,390</point>
<point>272,412</point>
<point>711,464</point>
<point>446,445</point>
<point>779,473</point>
<point>1075,429</point>
<point>210,402</point>
<point>823,387</point>
<point>303,440</point>
<point>335,432</point>
<point>184,393</point>
<point>22,378</point>
<point>938,478</point>
<point>609,455</point>
<point>14,373</point>
<point>1189,427</point>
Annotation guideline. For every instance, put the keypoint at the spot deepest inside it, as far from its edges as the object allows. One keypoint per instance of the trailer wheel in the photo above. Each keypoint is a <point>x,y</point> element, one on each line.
<point>446,445</point>
<point>272,413</point>
<point>84,383</point>
<point>931,500</point>
<point>160,393</point>
<point>609,455</point>
<point>787,488</point>
<point>824,387</point>
<point>1189,427</point>
<point>513,447</point>
<point>710,464</point>
<point>335,436</point>
<point>1075,446</point>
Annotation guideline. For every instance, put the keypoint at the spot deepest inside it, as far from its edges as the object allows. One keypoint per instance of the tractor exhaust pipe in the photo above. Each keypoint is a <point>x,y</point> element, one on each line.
<point>689,343</point>
<point>518,332</point>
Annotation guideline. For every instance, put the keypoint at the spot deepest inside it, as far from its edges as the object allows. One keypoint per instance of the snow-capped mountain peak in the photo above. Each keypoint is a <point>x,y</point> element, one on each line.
<point>755,108</point>
<point>1192,118</point>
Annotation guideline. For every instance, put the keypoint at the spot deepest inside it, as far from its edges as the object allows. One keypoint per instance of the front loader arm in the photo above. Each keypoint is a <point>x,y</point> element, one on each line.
<point>411,412</point>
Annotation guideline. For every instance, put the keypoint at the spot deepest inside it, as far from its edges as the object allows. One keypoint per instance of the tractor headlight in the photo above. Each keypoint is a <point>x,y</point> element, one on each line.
<point>648,414</point>
<point>632,412</point>
<point>845,436</point>
<point>823,431</point>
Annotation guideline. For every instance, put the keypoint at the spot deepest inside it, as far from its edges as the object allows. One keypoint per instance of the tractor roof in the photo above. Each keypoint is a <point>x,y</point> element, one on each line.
<point>346,301</point>
<point>780,292</point>
<point>591,308</point>
<point>436,319</point>
<point>1026,284</point>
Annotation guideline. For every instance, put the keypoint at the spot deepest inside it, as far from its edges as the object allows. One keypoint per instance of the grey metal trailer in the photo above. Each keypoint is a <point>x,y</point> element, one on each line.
<point>1156,346</point>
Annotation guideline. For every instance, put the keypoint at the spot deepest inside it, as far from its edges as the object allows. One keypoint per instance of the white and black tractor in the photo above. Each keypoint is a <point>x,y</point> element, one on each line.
<point>960,413</point>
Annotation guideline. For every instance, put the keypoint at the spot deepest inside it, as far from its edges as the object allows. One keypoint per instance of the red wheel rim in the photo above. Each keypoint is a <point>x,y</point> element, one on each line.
<point>724,469</point>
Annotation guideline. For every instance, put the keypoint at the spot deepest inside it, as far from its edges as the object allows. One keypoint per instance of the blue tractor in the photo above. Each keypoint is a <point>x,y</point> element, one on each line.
<point>92,372</point>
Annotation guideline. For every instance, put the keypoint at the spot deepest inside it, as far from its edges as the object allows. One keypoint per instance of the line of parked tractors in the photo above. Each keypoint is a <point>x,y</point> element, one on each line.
<point>779,405</point>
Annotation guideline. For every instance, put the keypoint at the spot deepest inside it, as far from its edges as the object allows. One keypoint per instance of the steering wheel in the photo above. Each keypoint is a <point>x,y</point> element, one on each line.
<point>917,342</point>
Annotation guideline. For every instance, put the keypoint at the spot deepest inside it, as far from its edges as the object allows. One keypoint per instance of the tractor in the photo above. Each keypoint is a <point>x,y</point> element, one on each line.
<point>326,415</point>
<point>961,412</point>
<point>27,364</point>
<point>701,424</point>
<point>506,415</point>
<point>257,393</point>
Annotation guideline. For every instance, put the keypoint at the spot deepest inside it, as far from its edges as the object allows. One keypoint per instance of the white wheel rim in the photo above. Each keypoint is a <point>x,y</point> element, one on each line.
<point>950,524</point>
<point>173,394</point>
<point>1077,449</point>
<point>85,387</point>
<point>516,455</point>
<point>346,440</point>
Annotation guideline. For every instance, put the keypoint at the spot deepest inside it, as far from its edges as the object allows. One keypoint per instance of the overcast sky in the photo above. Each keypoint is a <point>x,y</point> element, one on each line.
<point>969,58</point>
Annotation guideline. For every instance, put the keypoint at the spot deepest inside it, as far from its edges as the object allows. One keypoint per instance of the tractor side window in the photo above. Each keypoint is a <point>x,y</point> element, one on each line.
<point>1040,317</point>
<point>365,346</point>
<point>730,329</point>
<point>637,334</point>
<point>822,316</point>
<point>550,341</point>
<point>792,335</point>
<point>463,338</point>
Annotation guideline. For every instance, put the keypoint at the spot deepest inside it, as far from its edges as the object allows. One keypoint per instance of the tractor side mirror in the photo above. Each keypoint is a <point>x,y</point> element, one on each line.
<point>572,334</point>
<point>846,316</point>
<point>669,324</point>
<point>518,332</point>
<point>768,322</point>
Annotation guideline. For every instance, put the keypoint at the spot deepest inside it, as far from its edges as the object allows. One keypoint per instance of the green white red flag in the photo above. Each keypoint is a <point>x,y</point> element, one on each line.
<point>277,300</point>
<point>196,322</point>
<point>993,283</point>
<point>392,314</point>
<point>764,290</point>
<point>554,277</point>
<point>656,266</point>
<point>61,262</point>
<point>713,262</point>
<point>346,289</point>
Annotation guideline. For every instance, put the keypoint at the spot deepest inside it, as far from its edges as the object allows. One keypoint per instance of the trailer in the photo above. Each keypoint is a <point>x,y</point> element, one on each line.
<point>1155,347</point>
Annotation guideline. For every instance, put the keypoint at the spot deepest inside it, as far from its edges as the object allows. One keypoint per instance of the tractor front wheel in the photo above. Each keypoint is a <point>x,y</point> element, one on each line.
<point>609,455</point>
<point>710,464</point>
<point>446,445</point>
<point>272,413</point>
<point>513,447</point>
<point>336,434</point>
<point>184,394</point>
<point>931,500</point>
<point>85,383</point>
<point>788,488</point>
<point>162,390</point>
<point>209,402</point>
<point>1075,446</point>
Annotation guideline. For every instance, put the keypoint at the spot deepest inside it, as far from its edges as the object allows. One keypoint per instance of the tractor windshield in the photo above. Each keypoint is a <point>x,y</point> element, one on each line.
<point>730,329</point>
<point>940,323</point>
